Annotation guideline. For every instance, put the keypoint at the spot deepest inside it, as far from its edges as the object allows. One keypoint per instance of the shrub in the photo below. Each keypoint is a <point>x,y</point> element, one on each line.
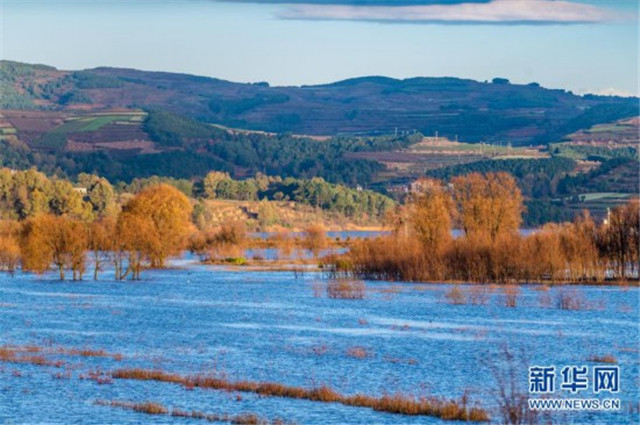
<point>456,296</point>
<point>346,289</point>
<point>511,293</point>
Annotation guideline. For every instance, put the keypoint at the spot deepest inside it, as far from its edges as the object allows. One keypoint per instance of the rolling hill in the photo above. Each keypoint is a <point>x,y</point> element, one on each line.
<point>567,151</point>
<point>470,110</point>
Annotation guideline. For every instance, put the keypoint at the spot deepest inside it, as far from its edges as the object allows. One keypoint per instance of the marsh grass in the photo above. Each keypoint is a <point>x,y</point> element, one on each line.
<point>455,296</point>
<point>392,403</point>
<point>511,293</point>
<point>152,408</point>
<point>99,376</point>
<point>572,299</point>
<point>17,355</point>
<point>144,407</point>
<point>397,360</point>
<point>607,358</point>
<point>512,401</point>
<point>319,288</point>
<point>358,352</point>
<point>346,289</point>
<point>478,295</point>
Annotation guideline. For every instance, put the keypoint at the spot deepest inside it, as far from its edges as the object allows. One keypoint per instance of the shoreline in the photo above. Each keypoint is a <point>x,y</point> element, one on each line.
<point>282,267</point>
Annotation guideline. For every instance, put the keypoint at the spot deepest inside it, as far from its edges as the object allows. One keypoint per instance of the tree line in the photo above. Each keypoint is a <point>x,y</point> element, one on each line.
<point>24,194</point>
<point>488,208</point>
<point>315,192</point>
<point>151,226</point>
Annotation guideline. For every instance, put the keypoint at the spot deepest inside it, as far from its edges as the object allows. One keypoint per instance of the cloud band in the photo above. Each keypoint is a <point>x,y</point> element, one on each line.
<point>531,12</point>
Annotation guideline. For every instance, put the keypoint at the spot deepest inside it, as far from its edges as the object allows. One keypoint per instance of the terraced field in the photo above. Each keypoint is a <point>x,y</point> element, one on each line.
<point>433,153</point>
<point>619,133</point>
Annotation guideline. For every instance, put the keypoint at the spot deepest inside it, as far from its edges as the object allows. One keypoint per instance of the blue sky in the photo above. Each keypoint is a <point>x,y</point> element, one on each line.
<point>580,45</point>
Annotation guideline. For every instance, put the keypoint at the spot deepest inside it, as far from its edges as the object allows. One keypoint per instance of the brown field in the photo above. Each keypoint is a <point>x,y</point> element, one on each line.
<point>31,124</point>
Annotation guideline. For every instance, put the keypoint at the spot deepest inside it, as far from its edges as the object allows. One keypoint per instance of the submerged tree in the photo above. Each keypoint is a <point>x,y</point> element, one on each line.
<point>48,239</point>
<point>9,245</point>
<point>169,212</point>
<point>426,218</point>
<point>489,205</point>
<point>101,242</point>
<point>136,241</point>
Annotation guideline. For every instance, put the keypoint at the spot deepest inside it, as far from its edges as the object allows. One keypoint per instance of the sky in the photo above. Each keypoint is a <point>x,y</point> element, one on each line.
<point>587,46</point>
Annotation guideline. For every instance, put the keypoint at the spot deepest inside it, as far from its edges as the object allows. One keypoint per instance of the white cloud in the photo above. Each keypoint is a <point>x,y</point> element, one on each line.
<point>495,12</point>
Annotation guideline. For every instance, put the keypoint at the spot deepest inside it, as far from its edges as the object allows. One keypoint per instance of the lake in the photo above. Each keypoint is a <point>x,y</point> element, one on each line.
<point>270,326</point>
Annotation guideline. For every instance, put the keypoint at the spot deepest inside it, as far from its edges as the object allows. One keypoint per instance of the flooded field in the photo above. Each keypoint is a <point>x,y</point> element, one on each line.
<point>422,340</point>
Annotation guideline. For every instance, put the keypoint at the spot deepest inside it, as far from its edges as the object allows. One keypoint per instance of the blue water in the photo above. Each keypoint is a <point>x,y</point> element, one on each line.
<point>268,326</point>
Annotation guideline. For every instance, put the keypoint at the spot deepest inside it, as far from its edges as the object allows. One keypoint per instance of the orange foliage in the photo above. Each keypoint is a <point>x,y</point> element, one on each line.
<point>168,211</point>
<point>54,239</point>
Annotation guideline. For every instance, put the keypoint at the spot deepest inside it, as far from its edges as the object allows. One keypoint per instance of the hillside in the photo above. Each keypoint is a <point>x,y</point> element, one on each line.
<point>471,110</point>
<point>568,152</point>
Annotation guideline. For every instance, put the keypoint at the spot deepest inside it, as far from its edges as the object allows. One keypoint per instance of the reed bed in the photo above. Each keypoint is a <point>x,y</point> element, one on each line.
<point>152,408</point>
<point>607,358</point>
<point>358,352</point>
<point>346,289</point>
<point>17,355</point>
<point>390,403</point>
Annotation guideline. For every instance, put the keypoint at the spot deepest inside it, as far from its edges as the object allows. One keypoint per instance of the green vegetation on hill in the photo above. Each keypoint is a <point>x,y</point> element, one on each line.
<point>169,129</point>
<point>519,168</point>
<point>370,105</point>
<point>136,125</point>
<point>614,175</point>
<point>592,153</point>
<point>282,154</point>
<point>596,114</point>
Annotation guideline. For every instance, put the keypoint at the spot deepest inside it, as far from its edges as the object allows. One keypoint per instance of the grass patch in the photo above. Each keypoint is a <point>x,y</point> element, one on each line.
<point>607,358</point>
<point>358,352</point>
<point>396,403</point>
<point>346,289</point>
<point>152,408</point>
<point>455,296</point>
<point>18,355</point>
<point>511,293</point>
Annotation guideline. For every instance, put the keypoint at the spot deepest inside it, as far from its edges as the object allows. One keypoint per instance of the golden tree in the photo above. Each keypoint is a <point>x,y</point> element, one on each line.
<point>169,211</point>
<point>101,242</point>
<point>427,219</point>
<point>488,205</point>
<point>136,240</point>
<point>60,240</point>
<point>9,245</point>
<point>619,238</point>
<point>314,239</point>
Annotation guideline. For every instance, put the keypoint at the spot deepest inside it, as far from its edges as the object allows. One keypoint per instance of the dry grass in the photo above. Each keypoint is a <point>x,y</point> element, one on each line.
<point>455,296</point>
<point>318,288</point>
<point>87,352</point>
<point>17,355</point>
<point>571,299</point>
<point>346,289</point>
<point>511,293</point>
<point>144,407</point>
<point>397,360</point>
<point>397,403</point>
<point>98,375</point>
<point>478,295</point>
<point>607,358</point>
<point>152,408</point>
<point>358,352</point>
